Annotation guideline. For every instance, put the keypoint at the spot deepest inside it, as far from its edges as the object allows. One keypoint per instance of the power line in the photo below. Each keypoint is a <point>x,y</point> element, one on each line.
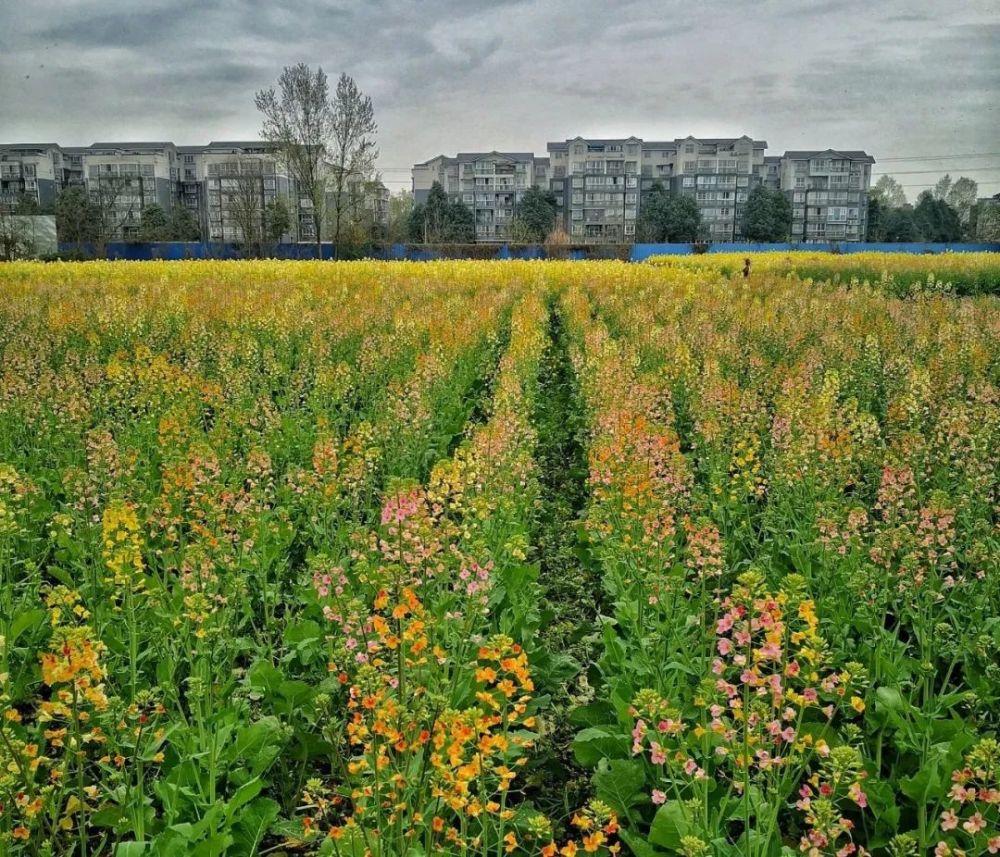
<point>942,157</point>
<point>926,172</point>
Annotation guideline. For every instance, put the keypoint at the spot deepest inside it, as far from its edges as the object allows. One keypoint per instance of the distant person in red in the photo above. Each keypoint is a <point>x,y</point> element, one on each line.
<point>746,269</point>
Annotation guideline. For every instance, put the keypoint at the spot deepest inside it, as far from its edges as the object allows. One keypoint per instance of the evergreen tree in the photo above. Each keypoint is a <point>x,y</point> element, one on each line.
<point>415,224</point>
<point>277,220</point>
<point>935,220</point>
<point>183,224</point>
<point>767,215</point>
<point>153,225</point>
<point>668,217</point>
<point>461,224</point>
<point>436,213</point>
<point>899,225</point>
<point>77,218</point>
<point>536,215</point>
<point>878,211</point>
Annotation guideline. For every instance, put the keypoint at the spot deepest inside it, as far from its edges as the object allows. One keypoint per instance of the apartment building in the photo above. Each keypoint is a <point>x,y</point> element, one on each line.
<point>369,206</point>
<point>225,174</point>
<point>491,184</point>
<point>600,184</point>
<point>718,173</point>
<point>125,178</point>
<point>30,172</point>
<point>596,182</point>
<point>829,193</point>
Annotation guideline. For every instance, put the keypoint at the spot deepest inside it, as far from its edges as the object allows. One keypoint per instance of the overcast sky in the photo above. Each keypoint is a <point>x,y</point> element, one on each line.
<point>898,79</point>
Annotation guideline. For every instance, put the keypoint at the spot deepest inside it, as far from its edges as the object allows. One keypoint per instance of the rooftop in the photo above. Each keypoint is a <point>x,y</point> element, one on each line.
<point>851,154</point>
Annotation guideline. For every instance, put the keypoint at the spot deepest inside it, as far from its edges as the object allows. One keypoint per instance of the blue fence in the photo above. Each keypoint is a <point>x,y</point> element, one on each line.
<point>210,250</point>
<point>644,251</point>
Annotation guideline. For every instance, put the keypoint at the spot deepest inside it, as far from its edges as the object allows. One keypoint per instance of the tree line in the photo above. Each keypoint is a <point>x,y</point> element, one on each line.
<point>948,212</point>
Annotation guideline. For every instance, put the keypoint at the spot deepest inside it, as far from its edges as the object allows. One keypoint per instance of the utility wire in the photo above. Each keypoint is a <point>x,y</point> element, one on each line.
<point>925,172</point>
<point>942,157</point>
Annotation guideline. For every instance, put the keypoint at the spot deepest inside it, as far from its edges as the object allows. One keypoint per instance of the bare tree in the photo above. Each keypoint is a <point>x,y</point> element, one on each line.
<point>117,201</point>
<point>299,121</point>
<point>243,201</point>
<point>15,238</point>
<point>353,151</point>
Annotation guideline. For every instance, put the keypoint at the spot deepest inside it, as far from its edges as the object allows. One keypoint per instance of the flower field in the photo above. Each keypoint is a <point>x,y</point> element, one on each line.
<point>894,273</point>
<point>500,558</point>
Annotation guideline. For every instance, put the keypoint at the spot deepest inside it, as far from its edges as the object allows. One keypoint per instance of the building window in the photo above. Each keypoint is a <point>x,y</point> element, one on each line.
<point>688,181</point>
<point>689,149</point>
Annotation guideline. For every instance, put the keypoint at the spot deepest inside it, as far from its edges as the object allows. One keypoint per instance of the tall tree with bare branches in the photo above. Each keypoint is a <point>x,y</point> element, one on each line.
<point>353,151</point>
<point>299,119</point>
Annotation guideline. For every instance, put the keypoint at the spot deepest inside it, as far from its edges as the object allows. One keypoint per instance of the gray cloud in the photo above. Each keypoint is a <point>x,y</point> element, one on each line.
<point>906,78</point>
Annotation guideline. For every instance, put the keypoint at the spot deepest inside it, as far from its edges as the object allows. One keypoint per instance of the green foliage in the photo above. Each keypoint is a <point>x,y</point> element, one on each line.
<point>77,218</point>
<point>936,220</point>
<point>153,224</point>
<point>277,220</point>
<point>900,224</point>
<point>183,224</point>
<point>441,221</point>
<point>767,215</point>
<point>461,224</point>
<point>668,217</point>
<point>536,215</point>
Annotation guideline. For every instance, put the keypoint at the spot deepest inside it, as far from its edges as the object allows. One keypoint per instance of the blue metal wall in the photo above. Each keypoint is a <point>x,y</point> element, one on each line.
<point>207,250</point>
<point>644,251</point>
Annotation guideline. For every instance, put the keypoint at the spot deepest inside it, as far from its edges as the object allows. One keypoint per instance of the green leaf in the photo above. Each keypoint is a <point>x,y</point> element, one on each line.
<point>263,676</point>
<point>23,621</point>
<point>254,823</point>
<point>303,632</point>
<point>669,826</point>
<point>620,783</point>
<point>593,714</point>
<point>131,849</point>
<point>636,844</point>
<point>923,786</point>
<point>593,744</point>
<point>243,795</point>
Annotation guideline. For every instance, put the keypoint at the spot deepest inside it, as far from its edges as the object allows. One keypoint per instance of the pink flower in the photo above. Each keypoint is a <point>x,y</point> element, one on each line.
<point>771,651</point>
<point>639,730</point>
<point>949,821</point>
<point>725,646</point>
<point>974,824</point>
<point>658,797</point>
<point>400,507</point>
<point>656,754</point>
<point>993,845</point>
